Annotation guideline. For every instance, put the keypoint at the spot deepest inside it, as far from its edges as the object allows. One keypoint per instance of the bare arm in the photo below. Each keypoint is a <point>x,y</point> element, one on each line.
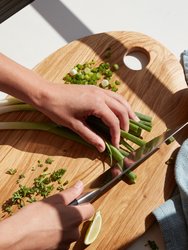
<point>47,224</point>
<point>67,105</point>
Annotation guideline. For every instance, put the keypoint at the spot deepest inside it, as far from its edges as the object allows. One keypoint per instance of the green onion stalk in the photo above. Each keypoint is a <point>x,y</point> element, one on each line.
<point>116,155</point>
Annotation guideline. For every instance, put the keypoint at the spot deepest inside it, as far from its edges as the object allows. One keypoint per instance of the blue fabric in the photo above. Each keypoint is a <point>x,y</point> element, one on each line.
<point>173,214</point>
<point>185,63</point>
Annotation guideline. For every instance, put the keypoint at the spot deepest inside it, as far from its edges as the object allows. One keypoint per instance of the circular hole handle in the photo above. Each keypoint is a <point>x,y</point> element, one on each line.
<point>136,59</point>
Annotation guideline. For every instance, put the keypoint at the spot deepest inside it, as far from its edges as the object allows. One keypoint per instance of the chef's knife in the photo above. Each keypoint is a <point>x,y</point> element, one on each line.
<point>132,161</point>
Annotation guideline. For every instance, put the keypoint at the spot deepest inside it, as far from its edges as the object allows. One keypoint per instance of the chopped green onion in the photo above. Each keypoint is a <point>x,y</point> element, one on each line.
<point>132,138</point>
<point>170,140</point>
<point>143,117</point>
<point>49,161</point>
<point>88,74</point>
<point>127,145</point>
<point>139,124</point>
<point>11,171</point>
<point>115,66</point>
<point>132,176</point>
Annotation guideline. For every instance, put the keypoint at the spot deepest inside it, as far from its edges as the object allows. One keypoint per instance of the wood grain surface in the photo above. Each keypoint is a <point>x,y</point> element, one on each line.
<point>158,90</point>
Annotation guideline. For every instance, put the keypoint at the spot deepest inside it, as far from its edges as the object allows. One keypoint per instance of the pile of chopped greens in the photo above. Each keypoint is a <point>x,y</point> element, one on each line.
<point>42,187</point>
<point>88,74</point>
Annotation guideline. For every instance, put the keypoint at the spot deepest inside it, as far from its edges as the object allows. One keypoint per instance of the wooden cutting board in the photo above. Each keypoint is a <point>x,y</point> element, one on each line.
<point>158,90</point>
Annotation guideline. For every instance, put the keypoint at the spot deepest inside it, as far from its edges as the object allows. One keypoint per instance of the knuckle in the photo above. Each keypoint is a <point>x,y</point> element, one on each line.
<point>116,123</point>
<point>123,115</point>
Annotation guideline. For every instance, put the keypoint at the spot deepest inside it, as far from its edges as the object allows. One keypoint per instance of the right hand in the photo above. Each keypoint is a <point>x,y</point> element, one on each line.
<point>47,224</point>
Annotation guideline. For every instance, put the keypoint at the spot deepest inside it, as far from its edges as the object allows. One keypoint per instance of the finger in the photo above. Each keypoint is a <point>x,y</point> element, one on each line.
<point>122,100</point>
<point>71,193</point>
<point>86,211</point>
<point>117,97</point>
<point>88,135</point>
<point>120,111</point>
<point>112,121</point>
<point>63,246</point>
<point>133,116</point>
<point>115,170</point>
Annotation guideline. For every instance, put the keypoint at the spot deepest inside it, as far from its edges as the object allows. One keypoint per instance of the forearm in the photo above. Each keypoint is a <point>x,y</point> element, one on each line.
<point>20,82</point>
<point>9,234</point>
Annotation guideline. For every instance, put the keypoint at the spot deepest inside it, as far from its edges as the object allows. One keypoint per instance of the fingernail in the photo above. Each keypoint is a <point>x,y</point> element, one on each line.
<point>116,142</point>
<point>78,184</point>
<point>137,119</point>
<point>101,148</point>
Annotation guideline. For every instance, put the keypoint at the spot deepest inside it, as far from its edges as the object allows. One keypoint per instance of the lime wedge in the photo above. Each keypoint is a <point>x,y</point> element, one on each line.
<point>93,229</point>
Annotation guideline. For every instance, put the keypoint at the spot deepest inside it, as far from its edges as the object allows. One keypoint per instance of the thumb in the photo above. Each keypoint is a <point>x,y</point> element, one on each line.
<point>73,192</point>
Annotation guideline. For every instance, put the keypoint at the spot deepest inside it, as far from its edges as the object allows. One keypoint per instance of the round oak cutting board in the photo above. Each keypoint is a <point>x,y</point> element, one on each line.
<point>158,90</point>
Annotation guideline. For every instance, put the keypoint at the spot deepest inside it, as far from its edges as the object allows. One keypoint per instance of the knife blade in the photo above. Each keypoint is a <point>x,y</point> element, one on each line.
<point>133,160</point>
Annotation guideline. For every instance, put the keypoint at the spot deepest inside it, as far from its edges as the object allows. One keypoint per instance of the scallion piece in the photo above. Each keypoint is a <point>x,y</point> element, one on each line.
<point>132,138</point>
<point>170,140</point>
<point>143,117</point>
<point>141,125</point>
<point>16,107</point>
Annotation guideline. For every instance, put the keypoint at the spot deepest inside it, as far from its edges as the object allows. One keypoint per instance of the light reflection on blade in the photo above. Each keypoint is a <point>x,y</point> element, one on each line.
<point>136,157</point>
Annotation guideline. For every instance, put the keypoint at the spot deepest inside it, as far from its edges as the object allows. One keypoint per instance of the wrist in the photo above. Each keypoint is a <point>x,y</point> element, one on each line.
<point>20,82</point>
<point>42,96</point>
<point>38,93</point>
<point>9,235</point>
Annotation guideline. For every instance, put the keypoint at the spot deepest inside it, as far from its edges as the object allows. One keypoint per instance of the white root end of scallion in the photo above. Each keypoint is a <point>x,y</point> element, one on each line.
<point>73,72</point>
<point>104,83</point>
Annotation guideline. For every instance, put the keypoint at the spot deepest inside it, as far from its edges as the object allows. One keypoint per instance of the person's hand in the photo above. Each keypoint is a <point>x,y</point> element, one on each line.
<point>47,224</point>
<point>69,105</point>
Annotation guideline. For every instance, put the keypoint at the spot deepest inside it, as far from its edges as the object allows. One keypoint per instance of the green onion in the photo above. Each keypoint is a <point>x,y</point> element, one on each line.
<point>170,140</point>
<point>124,152</point>
<point>127,145</point>
<point>132,138</point>
<point>132,176</point>
<point>15,107</point>
<point>10,101</point>
<point>143,117</point>
<point>49,161</point>
<point>119,156</point>
<point>141,125</point>
<point>149,124</point>
<point>42,185</point>
<point>88,74</point>
<point>136,133</point>
<point>115,154</point>
<point>134,127</point>
<point>49,127</point>
<point>115,66</point>
<point>109,153</point>
<point>11,171</point>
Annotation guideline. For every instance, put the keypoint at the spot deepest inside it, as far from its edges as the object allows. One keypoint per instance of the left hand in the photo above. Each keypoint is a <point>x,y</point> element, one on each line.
<point>69,105</point>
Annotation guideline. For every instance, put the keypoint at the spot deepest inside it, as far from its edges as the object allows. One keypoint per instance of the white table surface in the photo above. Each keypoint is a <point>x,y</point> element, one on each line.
<point>42,27</point>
